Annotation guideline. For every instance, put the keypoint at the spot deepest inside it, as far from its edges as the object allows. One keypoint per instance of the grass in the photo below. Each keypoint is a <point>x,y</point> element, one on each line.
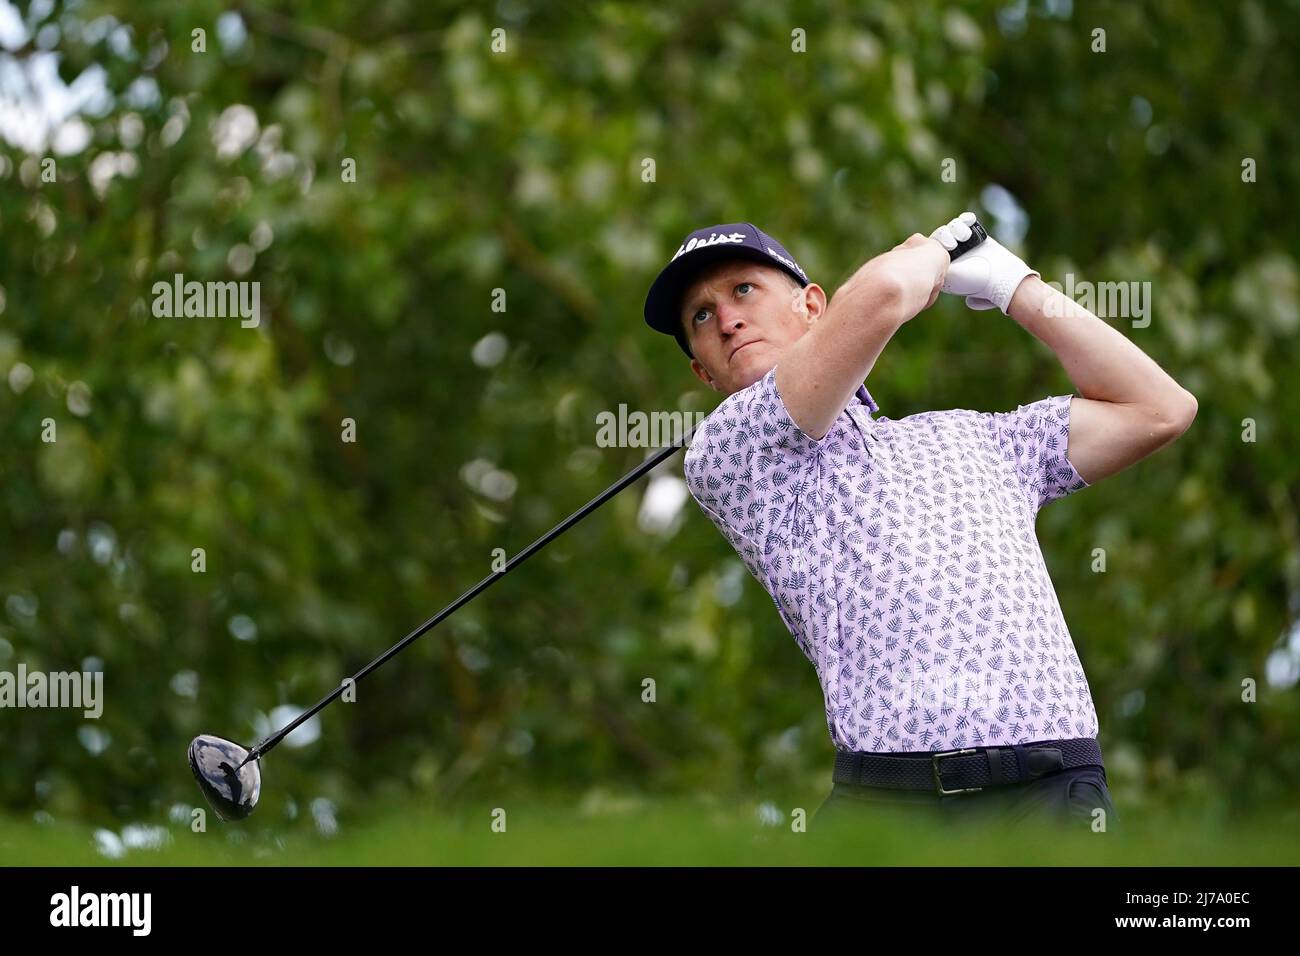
<point>639,831</point>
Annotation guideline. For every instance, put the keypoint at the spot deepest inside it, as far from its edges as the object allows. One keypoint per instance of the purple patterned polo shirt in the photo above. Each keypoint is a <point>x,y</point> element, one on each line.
<point>903,559</point>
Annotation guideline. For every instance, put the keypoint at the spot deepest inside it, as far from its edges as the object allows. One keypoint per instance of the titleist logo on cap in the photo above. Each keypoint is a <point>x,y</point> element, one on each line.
<point>713,240</point>
<point>793,265</point>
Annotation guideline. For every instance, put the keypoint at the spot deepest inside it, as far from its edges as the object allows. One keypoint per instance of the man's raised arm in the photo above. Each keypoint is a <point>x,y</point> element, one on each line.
<point>817,375</point>
<point>1130,407</point>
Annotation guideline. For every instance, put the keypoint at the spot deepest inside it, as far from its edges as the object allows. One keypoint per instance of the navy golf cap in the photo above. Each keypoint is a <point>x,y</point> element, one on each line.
<point>703,247</point>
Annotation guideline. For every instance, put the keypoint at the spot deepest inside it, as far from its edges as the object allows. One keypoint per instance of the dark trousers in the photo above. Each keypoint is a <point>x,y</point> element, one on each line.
<point>1065,797</point>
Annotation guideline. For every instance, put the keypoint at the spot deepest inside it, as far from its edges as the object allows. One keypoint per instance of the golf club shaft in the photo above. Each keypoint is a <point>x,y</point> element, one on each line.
<point>262,748</point>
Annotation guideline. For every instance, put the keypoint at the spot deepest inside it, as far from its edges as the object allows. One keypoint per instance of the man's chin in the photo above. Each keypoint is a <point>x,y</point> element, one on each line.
<point>748,371</point>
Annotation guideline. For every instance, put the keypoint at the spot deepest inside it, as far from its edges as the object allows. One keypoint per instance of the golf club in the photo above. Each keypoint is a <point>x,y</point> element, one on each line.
<point>230,776</point>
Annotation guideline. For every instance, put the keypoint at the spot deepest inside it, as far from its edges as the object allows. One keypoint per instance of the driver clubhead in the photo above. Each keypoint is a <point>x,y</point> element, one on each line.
<point>231,793</point>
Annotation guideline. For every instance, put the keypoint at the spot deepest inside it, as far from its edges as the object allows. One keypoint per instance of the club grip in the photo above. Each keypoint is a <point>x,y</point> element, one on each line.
<point>977,235</point>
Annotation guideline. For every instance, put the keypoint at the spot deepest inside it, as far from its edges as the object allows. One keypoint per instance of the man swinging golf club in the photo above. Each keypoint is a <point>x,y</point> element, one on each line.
<point>901,554</point>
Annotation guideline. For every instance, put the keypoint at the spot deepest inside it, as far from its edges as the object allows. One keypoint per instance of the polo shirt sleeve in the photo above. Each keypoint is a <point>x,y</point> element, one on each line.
<point>750,468</point>
<point>1034,439</point>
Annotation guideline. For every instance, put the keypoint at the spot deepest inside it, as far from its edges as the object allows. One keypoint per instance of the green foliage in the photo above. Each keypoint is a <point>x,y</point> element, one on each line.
<point>523,171</point>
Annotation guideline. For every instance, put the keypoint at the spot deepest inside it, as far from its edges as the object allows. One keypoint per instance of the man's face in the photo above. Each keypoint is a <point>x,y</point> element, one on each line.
<point>739,316</point>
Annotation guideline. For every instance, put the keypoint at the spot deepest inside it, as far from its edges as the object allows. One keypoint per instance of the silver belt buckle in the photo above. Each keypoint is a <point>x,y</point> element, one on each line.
<point>938,780</point>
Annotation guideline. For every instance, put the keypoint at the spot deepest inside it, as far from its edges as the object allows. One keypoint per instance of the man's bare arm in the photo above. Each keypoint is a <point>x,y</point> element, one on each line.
<point>819,373</point>
<point>1130,406</point>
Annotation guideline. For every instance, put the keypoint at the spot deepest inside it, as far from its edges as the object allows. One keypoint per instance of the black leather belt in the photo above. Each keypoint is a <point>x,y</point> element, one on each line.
<point>965,771</point>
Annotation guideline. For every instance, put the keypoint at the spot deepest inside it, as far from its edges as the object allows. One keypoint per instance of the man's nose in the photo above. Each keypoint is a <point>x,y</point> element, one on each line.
<point>731,318</point>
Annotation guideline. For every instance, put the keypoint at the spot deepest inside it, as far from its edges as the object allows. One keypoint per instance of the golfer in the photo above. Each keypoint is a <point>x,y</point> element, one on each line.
<point>901,554</point>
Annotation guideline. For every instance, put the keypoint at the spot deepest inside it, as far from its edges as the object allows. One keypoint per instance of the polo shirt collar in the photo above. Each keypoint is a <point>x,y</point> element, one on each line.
<point>865,398</point>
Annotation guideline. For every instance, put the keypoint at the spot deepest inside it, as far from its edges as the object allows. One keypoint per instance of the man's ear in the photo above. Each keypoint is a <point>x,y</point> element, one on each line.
<point>703,375</point>
<point>814,303</point>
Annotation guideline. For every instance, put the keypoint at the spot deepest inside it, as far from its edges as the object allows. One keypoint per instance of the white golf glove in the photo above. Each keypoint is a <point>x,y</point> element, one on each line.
<point>988,275</point>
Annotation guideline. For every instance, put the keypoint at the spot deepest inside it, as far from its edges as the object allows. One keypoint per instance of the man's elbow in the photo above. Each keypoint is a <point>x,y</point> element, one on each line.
<point>1179,418</point>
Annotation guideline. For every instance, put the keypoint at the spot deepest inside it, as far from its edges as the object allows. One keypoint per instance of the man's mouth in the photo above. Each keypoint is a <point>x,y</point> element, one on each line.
<point>736,352</point>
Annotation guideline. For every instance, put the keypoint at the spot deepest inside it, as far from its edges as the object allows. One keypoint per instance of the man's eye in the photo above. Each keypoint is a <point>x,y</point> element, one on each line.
<point>696,317</point>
